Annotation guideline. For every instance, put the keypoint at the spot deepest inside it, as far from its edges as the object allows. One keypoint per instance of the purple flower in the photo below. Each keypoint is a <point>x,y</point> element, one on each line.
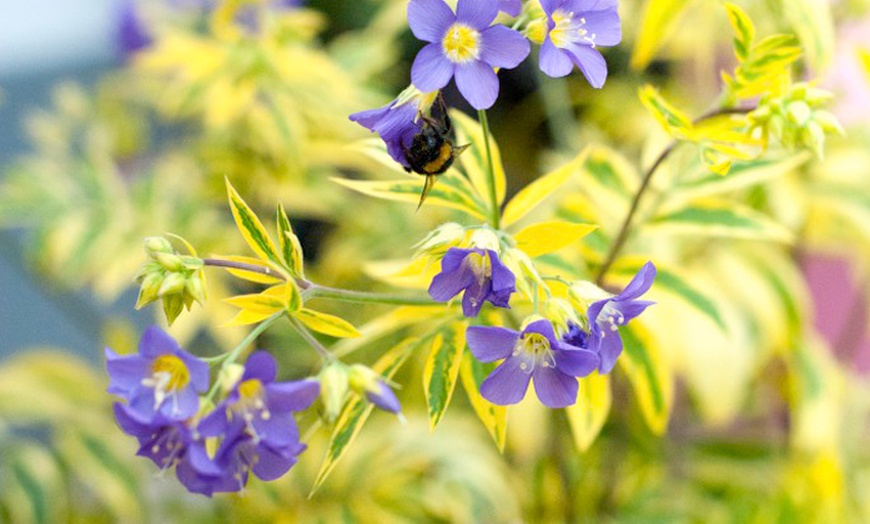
<point>606,315</point>
<point>510,7</point>
<point>171,443</point>
<point>463,45</point>
<point>162,379</point>
<point>477,272</point>
<point>575,29</point>
<point>396,123</point>
<point>259,433</point>
<point>132,35</point>
<point>536,354</point>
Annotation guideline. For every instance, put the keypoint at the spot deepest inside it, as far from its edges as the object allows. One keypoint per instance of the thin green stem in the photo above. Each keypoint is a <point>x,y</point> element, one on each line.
<point>253,268</point>
<point>494,211</point>
<point>231,357</point>
<point>346,295</point>
<point>313,342</point>
<point>625,228</point>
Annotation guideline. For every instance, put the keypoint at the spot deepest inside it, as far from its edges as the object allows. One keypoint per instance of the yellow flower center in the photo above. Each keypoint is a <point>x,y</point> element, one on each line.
<point>170,372</point>
<point>251,389</point>
<point>251,405</point>
<point>534,349</point>
<point>461,44</point>
<point>569,29</point>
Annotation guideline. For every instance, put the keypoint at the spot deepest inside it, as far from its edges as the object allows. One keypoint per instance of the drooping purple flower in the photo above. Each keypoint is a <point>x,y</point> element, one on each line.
<point>132,34</point>
<point>255,422</point>
<point>575,29</point>
<point>464,45</point>
<point>162,379</point>
<point>510,7</point>
<point>576,336</point>
<point>396,123</point>
<point>535,354</point>
<point>477,272</point>
<point>605,317</point>
<point>172,443</point>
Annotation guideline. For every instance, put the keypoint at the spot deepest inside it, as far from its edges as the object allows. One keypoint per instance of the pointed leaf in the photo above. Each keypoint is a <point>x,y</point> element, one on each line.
<point>644,364</point>
<point>442,369</point>
<point>660,18</point>
<point>326,323</point>
<point>672,120</point>
<point>252,229</point>
<point>291,250</point>
<point>357,411</point>
<point>588,414</point>
<point>494,418</point>
<point>535,193</point>
<point>473,162</point>
<point>813,23</point>
<point>546,237</point>
<point>720,219</point>
<point>744,30</point>
<point>446,193</point>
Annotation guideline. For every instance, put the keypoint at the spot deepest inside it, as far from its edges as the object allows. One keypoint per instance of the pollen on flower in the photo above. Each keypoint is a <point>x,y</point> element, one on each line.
<point>170,373</point>
<point>569,30</point>
<point>535,348</point>
<point>461,43</point>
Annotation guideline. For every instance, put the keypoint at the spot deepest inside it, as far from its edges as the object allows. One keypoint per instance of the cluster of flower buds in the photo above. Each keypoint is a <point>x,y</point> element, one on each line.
<point>796,118</point>
<point>337,379</point>
<point>178,280</point>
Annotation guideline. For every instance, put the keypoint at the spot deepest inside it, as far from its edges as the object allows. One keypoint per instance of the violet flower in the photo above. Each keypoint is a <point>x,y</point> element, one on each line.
<point>396,123</point>
<point>536,354</point>
<point>162,379</point>
<point>477,272</point>
<point>575,29</point>
<point>464,45</point>
<point>605,316</point>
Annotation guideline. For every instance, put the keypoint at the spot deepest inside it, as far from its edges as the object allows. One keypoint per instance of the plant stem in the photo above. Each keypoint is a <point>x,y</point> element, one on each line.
<point>625,229</point>
<point>346,295</point>
<point>253,268</point>
<point>313,342</point>
<point>231,357</point>
<point>494,211</point>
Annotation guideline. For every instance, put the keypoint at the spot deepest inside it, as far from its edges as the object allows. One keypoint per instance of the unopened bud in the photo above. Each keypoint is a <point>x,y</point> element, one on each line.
<point>485,238</point>
<point>194,287</point>
<point>799,113</point>
<point>154,245</point>
<point>173,284</point>
<point>170,261</point>
<point>149,289</point>
<point>229,376</point>
<point>334,385</point>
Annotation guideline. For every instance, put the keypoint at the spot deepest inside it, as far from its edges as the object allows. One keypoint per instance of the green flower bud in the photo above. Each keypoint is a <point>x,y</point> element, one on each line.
<point>172,307</point>
<point>170,261</point>
<point>154,245</point>
<point>799,113</point>
<point>334,384</point>
<point>195,288</point>
<point>149,289</point>
<point>173,284</point>
<point>361,378</point>
<point>229,376</point>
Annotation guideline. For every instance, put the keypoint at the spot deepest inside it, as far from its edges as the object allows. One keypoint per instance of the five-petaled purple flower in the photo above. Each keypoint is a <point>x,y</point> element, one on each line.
<point>255,422</point>
<point>463,45</point>
<point>479,273</point>
<point>396,123</point>
<point>606,315</point>
<point>575,29</point>
<point>162,379</point>
<point>537,354</point>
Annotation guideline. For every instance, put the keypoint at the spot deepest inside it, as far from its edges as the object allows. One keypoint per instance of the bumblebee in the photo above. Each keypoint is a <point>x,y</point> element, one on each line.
<point>432,151</point>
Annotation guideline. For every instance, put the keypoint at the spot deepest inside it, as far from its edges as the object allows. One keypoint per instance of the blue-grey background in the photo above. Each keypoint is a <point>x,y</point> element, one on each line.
<point>43,42</point>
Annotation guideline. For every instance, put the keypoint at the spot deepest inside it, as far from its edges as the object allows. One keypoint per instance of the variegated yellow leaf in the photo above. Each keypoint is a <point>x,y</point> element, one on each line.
<point>744,30</point>
<point>672,120</point>
<point>494,418</point>
<point>545,237</point>
<point>326,323</point>
<point>252,229</point>
<point>535,193</point>
<point>650,375</point>
<point>660,18</point>
<point>448,193</point>
<point>291,250</point>
<point>442,369</point>
<point>588,414</point>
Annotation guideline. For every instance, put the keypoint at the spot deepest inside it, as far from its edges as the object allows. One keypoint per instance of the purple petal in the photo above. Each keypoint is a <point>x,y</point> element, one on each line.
<point>431,70</point>
<point>278,430</point>
<point>156,342</point>
<point>609,348</point>
<point>489,344</point>
<point>554,62</point>
<point>640,284</point>
<point>478,83</point>
<point>556,390</point>
<point>543,327</point>
<point>594,310</point>
<point>429,19</point>
<point>453,258</point>
<point>370,117</point>
<point>551,5</point>
<point>215,423</point>
<point>631,308</point>
<point>130,422</point>
<point>503,47</point>
<point>272,465</point>
<point>125,372</point>
<point>501,298</point>
<point>502,277</point>
<point>198,457</point>
<point>477,13</point>
<point>184,406</point>
<point>588,6</point>
<point>260,366</point>
<point>294,396</point>
<point>510,7</point>
<point>507,384</point>
<point>445,286</point>
<point>198,370</point>
<point>575,362</point>
<point>606,27</point>
<point>474,297</point>
<point>591,63</point>
<point>384,398</point>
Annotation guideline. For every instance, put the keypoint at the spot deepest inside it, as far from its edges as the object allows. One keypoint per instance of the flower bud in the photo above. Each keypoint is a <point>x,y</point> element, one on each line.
<point>799,113</point>
<point>485,238</point>
<point>194,287</point>
<point>170,261</point>
<point>149,288</point>
<point>366,382</point>
<point>173,284</point>
<point>334,385</point>
<point>154,245</point>
<point>443,236</point>
<point>229,376</point>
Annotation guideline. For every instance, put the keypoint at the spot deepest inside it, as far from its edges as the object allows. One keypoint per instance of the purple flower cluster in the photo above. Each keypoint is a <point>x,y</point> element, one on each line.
<point>254,424</point>
<point>476,273</point>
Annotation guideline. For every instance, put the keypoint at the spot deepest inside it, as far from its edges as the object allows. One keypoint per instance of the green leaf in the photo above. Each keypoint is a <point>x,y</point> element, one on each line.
<point>34,490</point>
<point>252,229</point>
<point>535,193</point>
<point>473,162</point>
<point>545,237</point>
<point>741,176</point>
<point>587,416</point>
<point>494,418</point>
<point>326,324</point>
<point>450,191</point>
<point>714,218</point>
<point>672,120</point>
<point>442,369</point>
<point>744,30</point>
<point>659,21</point>
<point>357,411</point>
<point>814,25</point>
<point>291,250</point>
<point>644,364</point>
